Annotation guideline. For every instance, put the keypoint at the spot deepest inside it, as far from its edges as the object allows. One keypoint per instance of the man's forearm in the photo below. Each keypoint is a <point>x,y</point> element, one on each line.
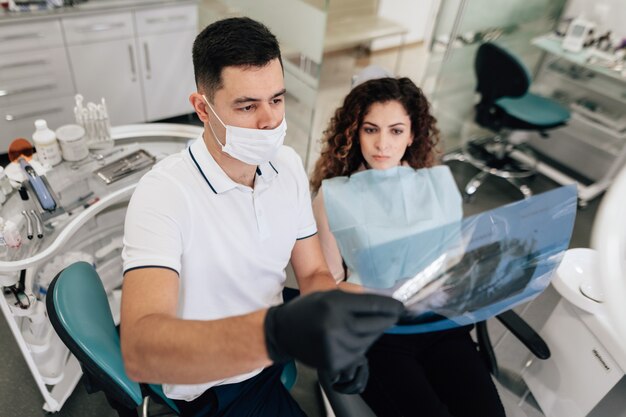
<point>162,349</point>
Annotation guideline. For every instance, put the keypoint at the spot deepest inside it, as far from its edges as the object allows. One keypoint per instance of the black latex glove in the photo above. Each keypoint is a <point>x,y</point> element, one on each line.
<point>330,330</point>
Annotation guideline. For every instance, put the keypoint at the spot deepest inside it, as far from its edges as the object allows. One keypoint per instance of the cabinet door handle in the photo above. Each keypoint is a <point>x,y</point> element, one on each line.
<point>148,66</point>
<point>37,113</point>
<point>4,93</point>
<point>24,64</point>
<point>19,36</point>
<point>99,27</point>
<point>153,20</point>
<point>133,69</point>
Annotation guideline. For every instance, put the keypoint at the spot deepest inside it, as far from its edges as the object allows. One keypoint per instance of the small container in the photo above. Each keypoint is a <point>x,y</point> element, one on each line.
<point>73,142</point>
<point>48,150</point>
<point>5,185</point>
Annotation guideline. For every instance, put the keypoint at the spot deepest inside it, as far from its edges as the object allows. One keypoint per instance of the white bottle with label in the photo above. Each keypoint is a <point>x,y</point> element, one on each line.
<point>48,150</point>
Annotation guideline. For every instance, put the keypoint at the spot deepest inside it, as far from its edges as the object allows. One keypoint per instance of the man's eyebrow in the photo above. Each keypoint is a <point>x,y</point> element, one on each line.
<point>280,93</point>
<point>246,99</point>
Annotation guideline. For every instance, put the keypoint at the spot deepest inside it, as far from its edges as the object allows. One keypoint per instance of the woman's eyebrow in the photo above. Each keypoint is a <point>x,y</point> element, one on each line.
<point>370,123</point>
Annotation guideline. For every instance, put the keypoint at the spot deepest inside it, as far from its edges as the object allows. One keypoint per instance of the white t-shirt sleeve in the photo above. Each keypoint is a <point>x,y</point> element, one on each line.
<point>154,224</point>
<point>306,221</point>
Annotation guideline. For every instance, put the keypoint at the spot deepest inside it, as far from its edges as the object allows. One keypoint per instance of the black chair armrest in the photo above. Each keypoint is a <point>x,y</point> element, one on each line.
<point>344,405</point>
<point>530,338</point>
<point>485,349</point>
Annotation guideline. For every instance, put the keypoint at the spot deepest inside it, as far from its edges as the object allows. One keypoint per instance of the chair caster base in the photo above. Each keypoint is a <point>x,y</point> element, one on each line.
<point>468,198</point>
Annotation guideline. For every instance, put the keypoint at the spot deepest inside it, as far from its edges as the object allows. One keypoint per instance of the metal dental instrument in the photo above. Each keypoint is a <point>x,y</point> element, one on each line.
<point>29,225</point>
<point>38,223</point>
<point>95,157</point>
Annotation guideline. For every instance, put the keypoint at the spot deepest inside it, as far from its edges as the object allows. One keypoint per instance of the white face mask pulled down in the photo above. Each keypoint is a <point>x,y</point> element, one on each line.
<point>252,146</point>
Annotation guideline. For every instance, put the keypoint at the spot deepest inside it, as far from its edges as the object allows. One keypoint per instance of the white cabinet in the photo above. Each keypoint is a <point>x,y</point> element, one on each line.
<point>167,75</point>
<point>18,120</point>
<point>141,66</point>
<point>35,79</point>
<point>165,37</point>
<point>103,56</point>
<point>27,36</point>
<point>110,69</point>
<point>138,60</point>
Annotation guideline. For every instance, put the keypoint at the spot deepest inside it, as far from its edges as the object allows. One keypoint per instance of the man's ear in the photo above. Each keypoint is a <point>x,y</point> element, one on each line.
<point>200,106</point>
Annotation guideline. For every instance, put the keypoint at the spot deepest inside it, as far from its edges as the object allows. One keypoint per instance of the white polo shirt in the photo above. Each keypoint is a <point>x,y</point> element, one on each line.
<point>229,243</point>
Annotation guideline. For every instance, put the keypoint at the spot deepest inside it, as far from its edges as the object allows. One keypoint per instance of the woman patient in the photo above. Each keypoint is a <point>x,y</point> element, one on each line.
<point>385,125</point>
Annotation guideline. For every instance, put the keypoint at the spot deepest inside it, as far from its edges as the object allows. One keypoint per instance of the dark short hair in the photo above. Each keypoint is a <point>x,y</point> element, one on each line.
<point>237,42</point>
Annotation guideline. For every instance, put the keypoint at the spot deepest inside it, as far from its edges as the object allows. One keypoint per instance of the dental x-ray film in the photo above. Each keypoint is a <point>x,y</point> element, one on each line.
<point>468,271</point>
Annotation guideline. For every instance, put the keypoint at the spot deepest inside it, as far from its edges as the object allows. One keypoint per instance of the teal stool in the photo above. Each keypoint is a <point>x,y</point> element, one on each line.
<point>79,312</point>
<point>505,105</point>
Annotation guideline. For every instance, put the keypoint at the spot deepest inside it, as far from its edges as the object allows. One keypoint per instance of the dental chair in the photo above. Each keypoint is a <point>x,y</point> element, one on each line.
<point>79,311</point>
<point>505,105</point>
<point>343,405</point>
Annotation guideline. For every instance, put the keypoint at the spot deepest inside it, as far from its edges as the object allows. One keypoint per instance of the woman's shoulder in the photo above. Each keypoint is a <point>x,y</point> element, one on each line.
<point>435,170</point>
<point>334,181</point>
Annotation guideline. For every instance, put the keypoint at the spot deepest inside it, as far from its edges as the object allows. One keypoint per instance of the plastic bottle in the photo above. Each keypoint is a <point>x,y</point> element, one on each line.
<point>48,150</point>
<point>5,185</point>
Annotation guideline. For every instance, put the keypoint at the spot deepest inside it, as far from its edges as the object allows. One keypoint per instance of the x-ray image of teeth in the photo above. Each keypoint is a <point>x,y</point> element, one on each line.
<point>469,271</point>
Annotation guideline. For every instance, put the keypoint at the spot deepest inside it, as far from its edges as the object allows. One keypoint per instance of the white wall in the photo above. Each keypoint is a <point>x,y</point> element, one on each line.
<point>415,15</point>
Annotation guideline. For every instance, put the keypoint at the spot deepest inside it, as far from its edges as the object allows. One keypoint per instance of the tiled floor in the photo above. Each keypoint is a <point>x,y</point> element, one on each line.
<point>18,393</point>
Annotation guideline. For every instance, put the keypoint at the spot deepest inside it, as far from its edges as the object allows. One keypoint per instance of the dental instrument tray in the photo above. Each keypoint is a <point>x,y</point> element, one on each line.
<point>125,166</point>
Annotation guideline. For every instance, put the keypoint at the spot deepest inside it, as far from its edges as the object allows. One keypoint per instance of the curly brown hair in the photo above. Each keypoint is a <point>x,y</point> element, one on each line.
<point>341,151</point>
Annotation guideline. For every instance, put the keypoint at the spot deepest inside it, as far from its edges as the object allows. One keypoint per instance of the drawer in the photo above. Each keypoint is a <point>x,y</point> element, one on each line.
<point>26,90</point>
<point>19,120</point>
<point>32,64</point>
<point>98,28</point>
<point>166,19</point>
<point>25,36</point>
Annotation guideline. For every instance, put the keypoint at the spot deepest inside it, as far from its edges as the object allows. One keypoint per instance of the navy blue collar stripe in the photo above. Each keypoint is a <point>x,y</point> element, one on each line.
<point>201,172</point>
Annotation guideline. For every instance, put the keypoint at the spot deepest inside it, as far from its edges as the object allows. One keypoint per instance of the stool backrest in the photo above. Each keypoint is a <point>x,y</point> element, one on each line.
<point>499,73</point>
<point>79,311</point>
